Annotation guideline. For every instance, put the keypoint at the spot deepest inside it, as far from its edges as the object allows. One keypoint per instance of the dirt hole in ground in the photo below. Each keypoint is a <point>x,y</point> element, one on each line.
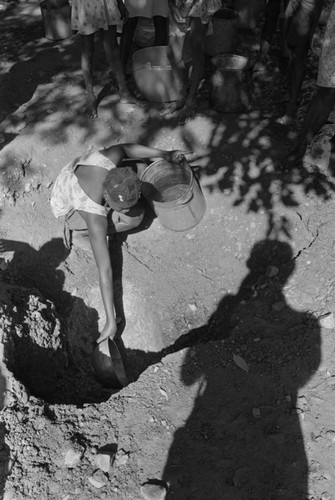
<point>37,351</point>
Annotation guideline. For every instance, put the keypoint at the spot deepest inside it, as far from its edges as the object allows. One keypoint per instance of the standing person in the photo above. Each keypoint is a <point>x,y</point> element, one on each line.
<point>272,15</point>
<point>189,23</point>
<point>87,18</point>
<point>302,17</point>
<point>323,101</point>
<point>89,189</point>
<point>158,10</point>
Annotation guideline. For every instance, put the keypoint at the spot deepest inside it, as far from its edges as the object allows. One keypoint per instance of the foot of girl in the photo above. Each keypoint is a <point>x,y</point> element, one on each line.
<point>91,108</point>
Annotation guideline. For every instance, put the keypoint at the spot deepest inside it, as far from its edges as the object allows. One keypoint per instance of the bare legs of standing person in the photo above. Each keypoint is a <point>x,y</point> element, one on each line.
<point>296,78</point>
<point>113,56</point>
<point>112,52</point>
<point>196,39</point>
<point>87,53</point>
<point>316,116</point>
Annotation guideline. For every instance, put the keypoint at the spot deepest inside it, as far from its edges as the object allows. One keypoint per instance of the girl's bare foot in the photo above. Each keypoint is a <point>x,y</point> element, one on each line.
<point>172,107</point>
<point>91,107</point>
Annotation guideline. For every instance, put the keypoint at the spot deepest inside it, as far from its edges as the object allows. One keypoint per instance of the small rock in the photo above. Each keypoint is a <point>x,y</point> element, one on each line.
<point>39,423</point>
<point>256,413</point>
<point>72,458</point>
<point>103,461</point>
<point>331,436</point>
<point>328,321</point>
<point>98,479</point>
<point>121,458</point>
<point>296,411</point>
<point>3,265</point>
<point>326,496</point>
<point>278,306</point>
<point>271,271</point>
<point>53,487</point>
<point>193,307</point>
<point>2,139</point>
<point>153,491</point>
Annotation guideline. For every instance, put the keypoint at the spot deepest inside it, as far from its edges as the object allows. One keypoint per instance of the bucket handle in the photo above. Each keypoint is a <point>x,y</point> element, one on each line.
<point>149,67</point>
<point>188,198</point>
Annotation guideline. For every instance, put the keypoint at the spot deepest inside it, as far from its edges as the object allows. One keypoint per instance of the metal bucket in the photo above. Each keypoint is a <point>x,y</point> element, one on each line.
<point>230,86</point>
<point>225,30</point>
<point>174,194</point>
<point>56,16</point>
<point>154,76</point>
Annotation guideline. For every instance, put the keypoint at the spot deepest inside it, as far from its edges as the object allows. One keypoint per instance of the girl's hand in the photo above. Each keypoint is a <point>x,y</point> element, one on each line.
<point>108,331</point>
<point>177,156</point>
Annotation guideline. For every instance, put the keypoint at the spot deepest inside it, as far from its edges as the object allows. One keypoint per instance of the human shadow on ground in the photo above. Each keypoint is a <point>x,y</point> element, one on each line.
<point>243,437</point>
<point>43,317</point>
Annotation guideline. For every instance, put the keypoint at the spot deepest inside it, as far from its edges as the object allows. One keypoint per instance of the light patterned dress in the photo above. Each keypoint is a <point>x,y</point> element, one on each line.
<point>182,10</point>
<point>88,16</point>
<point>67,194</point>
<point>147,8</point>
<point>326,75</point>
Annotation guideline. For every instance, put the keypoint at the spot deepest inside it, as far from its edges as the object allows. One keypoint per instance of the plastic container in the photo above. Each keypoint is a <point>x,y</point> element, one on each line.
<point>174,194</point>
<point>230,85</point>
<point>154,77</point>
<point>56,16</point>
<point>225,31</point>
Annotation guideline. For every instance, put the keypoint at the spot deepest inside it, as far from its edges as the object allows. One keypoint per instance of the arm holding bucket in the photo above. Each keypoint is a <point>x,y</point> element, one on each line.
<point>136,151</point>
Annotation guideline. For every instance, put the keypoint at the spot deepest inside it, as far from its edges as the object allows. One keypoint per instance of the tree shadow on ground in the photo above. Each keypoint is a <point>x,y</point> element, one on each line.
<point>242,156</point>
<point>237,154</point>
<point>243,436</point>
<point>42,317</point>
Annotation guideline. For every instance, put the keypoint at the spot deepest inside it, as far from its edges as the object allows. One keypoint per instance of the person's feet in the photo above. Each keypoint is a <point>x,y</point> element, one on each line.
<point>285,120</point>
<point>288,118</point>
<point>91,109</point>
<point>173,107</point>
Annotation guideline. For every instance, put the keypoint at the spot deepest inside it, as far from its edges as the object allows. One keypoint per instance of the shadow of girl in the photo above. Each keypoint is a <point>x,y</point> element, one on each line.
<point>243,437</point>
<point>36,346</point>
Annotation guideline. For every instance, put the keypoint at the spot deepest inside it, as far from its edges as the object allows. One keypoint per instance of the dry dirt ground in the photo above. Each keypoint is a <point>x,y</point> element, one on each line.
<point>228,332</point>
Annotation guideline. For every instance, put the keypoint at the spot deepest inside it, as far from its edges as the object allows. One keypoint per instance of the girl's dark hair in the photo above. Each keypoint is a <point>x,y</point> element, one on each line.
<point>122,186</point>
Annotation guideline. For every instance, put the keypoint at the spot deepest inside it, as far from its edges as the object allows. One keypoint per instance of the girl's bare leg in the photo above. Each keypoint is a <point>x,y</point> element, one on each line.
<point>112,52</point>
<point>87,52</point>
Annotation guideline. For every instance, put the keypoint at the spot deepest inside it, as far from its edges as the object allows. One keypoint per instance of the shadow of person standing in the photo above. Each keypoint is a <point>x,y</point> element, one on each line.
<point>243,438</point>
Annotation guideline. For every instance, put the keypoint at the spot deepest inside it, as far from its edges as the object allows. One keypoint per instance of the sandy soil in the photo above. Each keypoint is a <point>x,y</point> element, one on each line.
<point>228,330</point>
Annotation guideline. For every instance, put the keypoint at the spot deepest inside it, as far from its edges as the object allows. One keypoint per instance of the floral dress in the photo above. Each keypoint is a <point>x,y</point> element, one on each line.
<point>182,10</point>
<point>87,16</point>
<point>67,194</point>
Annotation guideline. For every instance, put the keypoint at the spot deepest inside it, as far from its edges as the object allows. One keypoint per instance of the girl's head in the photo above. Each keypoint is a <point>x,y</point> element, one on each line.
<point>122,188</point>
